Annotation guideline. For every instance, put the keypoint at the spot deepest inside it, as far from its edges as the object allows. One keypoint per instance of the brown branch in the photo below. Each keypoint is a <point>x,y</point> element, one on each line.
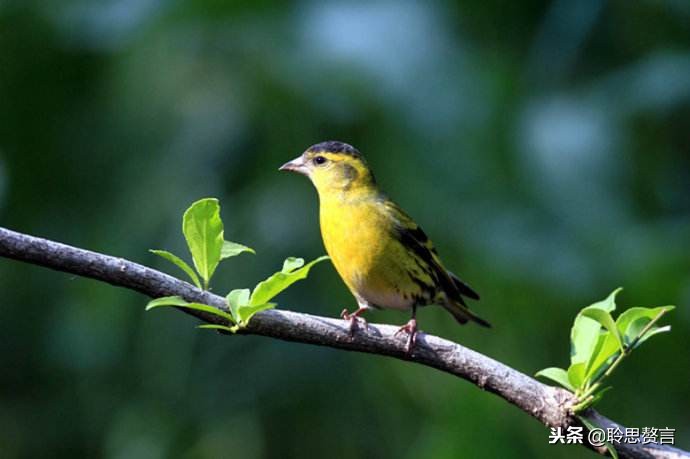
<point>550,405</point>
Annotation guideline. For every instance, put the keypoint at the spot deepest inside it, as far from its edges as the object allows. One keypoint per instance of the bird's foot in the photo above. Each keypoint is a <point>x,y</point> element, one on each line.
<point>355,320</point>
<point>411,329</point>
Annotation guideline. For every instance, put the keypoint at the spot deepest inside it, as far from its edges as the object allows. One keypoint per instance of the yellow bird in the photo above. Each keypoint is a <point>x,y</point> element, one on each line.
<point>382,255</point>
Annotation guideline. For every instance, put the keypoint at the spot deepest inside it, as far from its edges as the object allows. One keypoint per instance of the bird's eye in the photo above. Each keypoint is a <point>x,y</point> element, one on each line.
<point>320,160</point>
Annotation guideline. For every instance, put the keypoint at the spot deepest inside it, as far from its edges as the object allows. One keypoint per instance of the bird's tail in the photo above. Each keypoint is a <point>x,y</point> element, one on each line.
<point>463,314</point>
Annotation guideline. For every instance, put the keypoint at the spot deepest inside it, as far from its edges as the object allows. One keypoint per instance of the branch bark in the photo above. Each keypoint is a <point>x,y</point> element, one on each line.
<point>549,405</point>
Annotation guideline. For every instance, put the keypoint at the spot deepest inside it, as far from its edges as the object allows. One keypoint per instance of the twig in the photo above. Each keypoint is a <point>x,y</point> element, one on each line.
<point>550,405</point>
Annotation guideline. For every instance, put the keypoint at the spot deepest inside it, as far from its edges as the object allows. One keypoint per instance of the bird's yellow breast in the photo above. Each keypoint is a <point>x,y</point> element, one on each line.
<point>354,238</point>
<point>357,236</point>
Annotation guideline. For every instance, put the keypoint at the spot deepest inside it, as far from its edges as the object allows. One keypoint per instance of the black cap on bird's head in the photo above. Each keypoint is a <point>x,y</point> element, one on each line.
<point>335,147</point>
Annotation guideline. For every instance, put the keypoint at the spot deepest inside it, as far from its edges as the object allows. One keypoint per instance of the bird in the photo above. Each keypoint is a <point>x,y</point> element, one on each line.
<point>382,255</point>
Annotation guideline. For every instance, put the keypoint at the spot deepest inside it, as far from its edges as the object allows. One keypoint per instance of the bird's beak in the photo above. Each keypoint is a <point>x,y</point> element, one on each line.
<point>296,165</point>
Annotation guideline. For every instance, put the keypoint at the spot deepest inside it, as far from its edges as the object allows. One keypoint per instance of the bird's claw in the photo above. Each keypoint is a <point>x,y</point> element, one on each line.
<point>411,329</point>
<point>355,321</point>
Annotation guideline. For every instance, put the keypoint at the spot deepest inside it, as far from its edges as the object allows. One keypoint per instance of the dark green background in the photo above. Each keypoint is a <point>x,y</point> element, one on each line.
<point>544,147</point>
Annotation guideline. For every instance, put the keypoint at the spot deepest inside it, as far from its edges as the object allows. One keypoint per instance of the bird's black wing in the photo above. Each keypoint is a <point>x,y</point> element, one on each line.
<point>411,235</point>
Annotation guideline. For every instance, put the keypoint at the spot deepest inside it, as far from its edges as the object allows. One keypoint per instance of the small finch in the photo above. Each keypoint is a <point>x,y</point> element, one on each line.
<point>382,255</point>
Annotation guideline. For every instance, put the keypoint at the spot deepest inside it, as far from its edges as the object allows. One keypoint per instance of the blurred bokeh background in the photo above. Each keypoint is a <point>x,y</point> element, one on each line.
<point>543,145</point>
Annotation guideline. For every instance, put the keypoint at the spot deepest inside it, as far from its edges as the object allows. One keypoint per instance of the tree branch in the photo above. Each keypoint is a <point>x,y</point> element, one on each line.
<point>550,405</point>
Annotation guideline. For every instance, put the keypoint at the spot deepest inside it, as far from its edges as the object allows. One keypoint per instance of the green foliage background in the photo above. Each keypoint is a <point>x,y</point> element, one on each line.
<point>544,146</point>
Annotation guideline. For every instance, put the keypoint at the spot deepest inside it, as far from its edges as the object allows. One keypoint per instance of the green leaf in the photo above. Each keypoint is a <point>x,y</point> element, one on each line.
<point>232,249</point>
<point>203,230</point>
<point>603,335</point>
<point>637,326</point>
<point>236,299</point>
<point>178,302</point>
<point>653,331</point>
<point>239,297</point>
<point>605,319</point>
<point>576,375</point>
<point>612,450</point>
<point>166,301</point>
<point>248,311</point>
<point>585,332</point>
<point>557,375</point>
<point>180,263</point>
<point>292,263</point>
<point>292,272</point>
<point>633,315</point>
<point>241,309</point>
<point>600,359</point>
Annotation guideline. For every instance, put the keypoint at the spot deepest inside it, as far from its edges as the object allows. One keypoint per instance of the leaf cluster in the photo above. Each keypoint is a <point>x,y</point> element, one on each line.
<point>204,232</point>
<point>598,344</point>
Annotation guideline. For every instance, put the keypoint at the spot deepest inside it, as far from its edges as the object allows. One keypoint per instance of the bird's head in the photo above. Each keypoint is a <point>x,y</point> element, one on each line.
<point>333,167</point>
